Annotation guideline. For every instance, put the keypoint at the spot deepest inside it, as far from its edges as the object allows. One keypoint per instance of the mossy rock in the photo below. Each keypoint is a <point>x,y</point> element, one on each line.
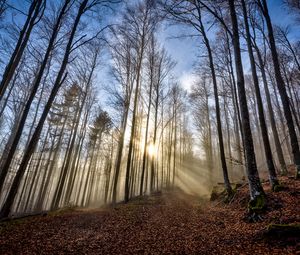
<point>219,193</point>
<point>216,193</point>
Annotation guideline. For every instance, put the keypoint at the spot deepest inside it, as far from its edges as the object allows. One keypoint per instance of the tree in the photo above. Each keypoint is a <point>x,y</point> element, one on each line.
<point>256,190</point>
<point>124,72</point>
<point>17,135</point>
<point>263,126</point>
<point>191,13</point>
<point>143,22</point>
<point>262,65</point>
<point>60,78</point>
<point>35,12</point>
<point>200,95</point>
<point>281,87</point>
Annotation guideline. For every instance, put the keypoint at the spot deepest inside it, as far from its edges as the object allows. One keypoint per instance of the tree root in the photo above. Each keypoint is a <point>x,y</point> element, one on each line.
<point>283,230</point>
<point>256,207</point>
<point>278,187</point>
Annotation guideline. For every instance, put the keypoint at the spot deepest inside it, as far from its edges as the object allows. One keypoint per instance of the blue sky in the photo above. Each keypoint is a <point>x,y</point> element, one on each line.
<point>186,51</point>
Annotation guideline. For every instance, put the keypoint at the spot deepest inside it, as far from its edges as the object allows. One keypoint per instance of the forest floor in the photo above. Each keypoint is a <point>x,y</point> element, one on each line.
<point>167,223</point>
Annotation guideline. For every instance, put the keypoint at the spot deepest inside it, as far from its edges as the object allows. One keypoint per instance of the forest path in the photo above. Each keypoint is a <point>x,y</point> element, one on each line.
<point>171,223</point>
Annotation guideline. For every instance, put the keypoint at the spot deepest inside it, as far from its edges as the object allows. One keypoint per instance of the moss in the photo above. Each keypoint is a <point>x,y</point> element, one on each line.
<point>278,187</point>
<point>62,211</point>
<point>219,193</point>
<point>294,226</point>
<point>236,186</point>
<point>297,177</point>
<point>216,193</point>
<point>257,204</point>
<point>229,195</point>
<point>283,172</point>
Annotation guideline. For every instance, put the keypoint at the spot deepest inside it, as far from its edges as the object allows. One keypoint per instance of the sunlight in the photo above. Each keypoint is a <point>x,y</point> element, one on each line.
<point>151,150</point>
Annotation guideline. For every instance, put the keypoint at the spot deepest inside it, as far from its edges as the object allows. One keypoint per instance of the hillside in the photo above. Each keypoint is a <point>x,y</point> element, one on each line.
<point>168,223</point>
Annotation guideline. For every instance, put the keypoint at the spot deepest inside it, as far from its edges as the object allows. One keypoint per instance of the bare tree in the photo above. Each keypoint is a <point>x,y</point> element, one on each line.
<point>262,121</point>
<point>191,14</point>
<point>281,87</point>
<point>256,190</point>
<point>35,13</point>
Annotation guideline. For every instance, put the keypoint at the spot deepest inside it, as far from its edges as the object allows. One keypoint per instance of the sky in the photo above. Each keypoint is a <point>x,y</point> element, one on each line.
<point>186,51</point>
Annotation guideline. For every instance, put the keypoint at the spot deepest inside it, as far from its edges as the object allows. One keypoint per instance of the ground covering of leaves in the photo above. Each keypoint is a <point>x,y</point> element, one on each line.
<point>168,223</point>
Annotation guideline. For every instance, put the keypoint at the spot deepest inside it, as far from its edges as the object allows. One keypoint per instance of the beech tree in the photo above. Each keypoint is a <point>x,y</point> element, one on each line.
<point>256,190</point>
<point>281,87</point>
<point>84,6</point>
<point>94,110</point>
<point>191,13</point>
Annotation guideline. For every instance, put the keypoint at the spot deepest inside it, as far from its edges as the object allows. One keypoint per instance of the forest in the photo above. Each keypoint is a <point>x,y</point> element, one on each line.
<point>149,126</point>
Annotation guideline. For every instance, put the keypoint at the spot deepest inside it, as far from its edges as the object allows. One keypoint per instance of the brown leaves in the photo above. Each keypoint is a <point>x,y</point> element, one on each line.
<point>172,223</point>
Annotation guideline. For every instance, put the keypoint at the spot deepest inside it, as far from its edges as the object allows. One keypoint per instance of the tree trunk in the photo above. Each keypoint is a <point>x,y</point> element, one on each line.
<point>256,190</point>
<point>271,113</point>
<point>129,157</point>
<point>35,137</point>
<point>217,105</point>
<point>35,86</point>
<point>35,9</point>
<point>282,89</point>
<point>147,122</point>
<point>267,147</point>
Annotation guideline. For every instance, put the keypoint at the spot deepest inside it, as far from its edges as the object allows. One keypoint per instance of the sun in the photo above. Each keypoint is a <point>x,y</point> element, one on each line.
<point>151,150</point>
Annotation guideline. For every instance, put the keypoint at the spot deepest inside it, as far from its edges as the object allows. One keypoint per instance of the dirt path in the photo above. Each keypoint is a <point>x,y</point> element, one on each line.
<point>162,224</point>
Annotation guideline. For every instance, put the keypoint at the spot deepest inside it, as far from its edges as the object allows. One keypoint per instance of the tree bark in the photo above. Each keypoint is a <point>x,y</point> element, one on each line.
<point>35,86</point>
<point>271,113</point>
<point>35,137</point>
<point>36,7</point>
<point>281,88</point>
<point>255,187</point>
<point>217,105</point>
<point>267,147</point>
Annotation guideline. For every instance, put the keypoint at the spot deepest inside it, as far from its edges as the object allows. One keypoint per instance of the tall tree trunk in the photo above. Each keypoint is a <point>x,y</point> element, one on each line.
<point>85,188</point>
<point>37,7</point>
<point>175,146</point>
<point>271,113</point>
<point>135,106</point>
<point>256,190</point>
<point>226,110</point>
<point>148,118</point>
<point>47,174</point>
<point>154,155</point>
<point>217,105</point>
<point>238,122</point>
<point>35,86</point>
<point>267,147</point>
<point>35,137</point>
<point>119,153</point>
<point>67,158</point>
<point>75,163</point>
<point>281,88</point>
